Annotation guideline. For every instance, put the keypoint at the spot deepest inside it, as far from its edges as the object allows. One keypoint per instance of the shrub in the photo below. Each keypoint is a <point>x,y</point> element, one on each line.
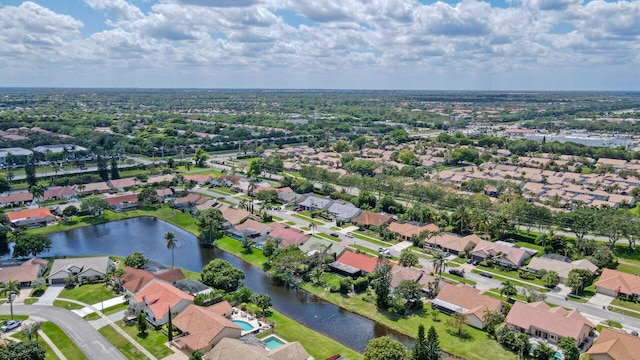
<point>345,285</point>
<point>360,284</point>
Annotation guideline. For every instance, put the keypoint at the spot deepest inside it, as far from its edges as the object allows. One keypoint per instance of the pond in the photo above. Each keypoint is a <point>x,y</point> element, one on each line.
<point>147,236</point>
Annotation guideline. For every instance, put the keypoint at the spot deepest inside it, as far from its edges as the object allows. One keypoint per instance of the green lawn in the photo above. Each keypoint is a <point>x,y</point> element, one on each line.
<point>62,341</point>
<point>121,343</point>
<point>233,246</point>
<point>305,218</point>
<point>88,294</point>
<point>108,311</point>
<point>512,275</point>
<point>30,301</point>
<point>627,305</point>
<point>358,235</point>
<point>67,305</point>
<point>153,341</point>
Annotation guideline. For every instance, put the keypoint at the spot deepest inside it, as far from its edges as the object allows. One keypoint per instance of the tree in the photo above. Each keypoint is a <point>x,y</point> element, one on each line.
<point>172,243</point>
<point>70,281</point>
<point>569,348</point>
<point>26,350</point>
<point>103,172</point>
<point>457,322</point>
<point>254,169</point>
<point>30,331</point>
<point>142,323</point>
<point>115,173</point>
<point>31,244</point>
<point>93,205</point>
<point>5,185</point>
<point>407,157</point>
<point>533,294</point>
<point>37,191</point>
<point>247,244</point>
<point>382,283</point>
<point>410,292</point>
<point>196,355</point>
<point>439,262</point>
<point>491,320</point>
<point>220,274</point>
<point>522,345</point>
<point>383,348</point>
<point>551,279</point>
<point>419,351</point>
<point>341,146</point>
<point>263,301</point>
<point>578,279</point>
<point>200,157</point>
<point>543,351</point>
<point>148,196</point>
<point>70,211</point>
<point>9,289</point>
<point>30,173</point>
<point>135,260</point>
<point>408,258</point>
<point>313,226</point>
<point>508,289</point>
<point>169,326</point>
<point>433,345</point>
<point>270,246</point>
<point>209,224</point>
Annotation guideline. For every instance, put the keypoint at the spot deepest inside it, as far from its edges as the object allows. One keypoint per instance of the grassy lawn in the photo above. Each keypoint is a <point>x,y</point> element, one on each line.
<point>476,346</point>
<point>624,312</point>
<point>457,279</point>
<point>305,218</point>
<point>495,293</point>
<point>290,223</point>
<point>627,304</point>
<point>126,348</point>
<point>48,351</point>
<point>108,311</point>
<point>275,218</point>
<point>316,344</point>
<point>88,294</point>
<point>358,235</point>
<point>67,305</point>
<point>512,275</point>
<point>328,237</point>
<point>233,246</point>
<point>153,341</point>
<point>62,341</point>
<point>30,301</point>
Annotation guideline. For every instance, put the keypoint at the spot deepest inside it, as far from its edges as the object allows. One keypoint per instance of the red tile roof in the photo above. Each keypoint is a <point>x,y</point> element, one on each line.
<point>130,198</point>
<point>40,213</point>
<point>616,344</point>
<point>371,219</point>
<point>199,178</point>
<point>235,216</point>
<point>408,230</point>
<point>618,281</point>
<point>203,324</point>
<point>358,261</point>
<point>469,299</point>
<point>136,279</point>
<point>554,320</point>
<point>160,296</point>
<point>288,236</point>
<point>58,192</point>
<point>16,197</point>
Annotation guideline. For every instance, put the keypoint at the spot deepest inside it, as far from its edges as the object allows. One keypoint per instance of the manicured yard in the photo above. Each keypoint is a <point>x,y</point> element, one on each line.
<point>627,305</point>
<point>358,235</point>
<point>62,341</point>
<point>67,305</point>
<point>308,219</point>
<point>126,348</point>
<point>108,311</point>
<point>235,247</point>
<point>88,294</point>
<point>153,341</point>
<point>512,275</point>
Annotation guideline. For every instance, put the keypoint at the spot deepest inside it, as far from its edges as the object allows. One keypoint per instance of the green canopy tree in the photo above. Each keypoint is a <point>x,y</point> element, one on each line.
<point>209,224</point>
<point>220,274</point>
<point>408,258</point>
<point>31,244</point>
<point>384,348</point>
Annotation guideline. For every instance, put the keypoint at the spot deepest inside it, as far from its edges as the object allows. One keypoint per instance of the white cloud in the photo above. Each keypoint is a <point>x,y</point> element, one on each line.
<point>121,7</point>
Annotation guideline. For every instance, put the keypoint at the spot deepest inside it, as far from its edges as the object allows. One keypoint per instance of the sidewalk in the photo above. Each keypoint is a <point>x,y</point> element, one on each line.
<point>103,305</point>
<point>50,295</point>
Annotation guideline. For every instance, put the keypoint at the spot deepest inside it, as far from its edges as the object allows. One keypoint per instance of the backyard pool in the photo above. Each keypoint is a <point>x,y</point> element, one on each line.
<point>273,342</point>
<point>243,324</point>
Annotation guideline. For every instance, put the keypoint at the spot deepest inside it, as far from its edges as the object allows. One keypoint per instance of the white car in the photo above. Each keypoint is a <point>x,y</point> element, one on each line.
<point>349,235</point>
<point>10,325</point>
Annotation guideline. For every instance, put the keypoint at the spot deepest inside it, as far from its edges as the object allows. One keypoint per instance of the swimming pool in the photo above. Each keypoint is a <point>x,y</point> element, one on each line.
<point>273,342</point>
<point>243,324</point>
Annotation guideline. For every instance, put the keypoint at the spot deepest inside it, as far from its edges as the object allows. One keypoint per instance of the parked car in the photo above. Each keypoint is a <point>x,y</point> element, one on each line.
<point>335,234</point>
<point>349,235</point>
<point>486,274</point>
<point>456,272</point>
<point>10,325</point>
<point>384,252</point>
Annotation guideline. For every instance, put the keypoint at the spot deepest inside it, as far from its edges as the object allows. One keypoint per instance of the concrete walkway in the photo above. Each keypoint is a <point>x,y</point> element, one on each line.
<point>52,345</point>
<point>103,305</point>
<point>104,321</point>
<point>50,295</point>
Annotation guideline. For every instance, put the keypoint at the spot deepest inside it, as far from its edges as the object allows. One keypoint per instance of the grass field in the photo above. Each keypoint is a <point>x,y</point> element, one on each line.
<point>121,343</point>
<point>88,294</point>
<point>153,341</point>
<point>67,305</point>
<point>108,311</point>
<point>62,341</point>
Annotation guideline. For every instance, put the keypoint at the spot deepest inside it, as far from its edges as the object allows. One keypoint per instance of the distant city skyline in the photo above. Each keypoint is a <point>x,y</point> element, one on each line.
<point>498,45</point>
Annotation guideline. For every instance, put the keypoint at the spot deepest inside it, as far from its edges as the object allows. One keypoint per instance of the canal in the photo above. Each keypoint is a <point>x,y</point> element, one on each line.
<point>146,235</point>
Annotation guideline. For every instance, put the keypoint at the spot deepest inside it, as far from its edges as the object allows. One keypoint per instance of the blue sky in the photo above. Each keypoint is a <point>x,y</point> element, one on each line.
<point>357,44</point>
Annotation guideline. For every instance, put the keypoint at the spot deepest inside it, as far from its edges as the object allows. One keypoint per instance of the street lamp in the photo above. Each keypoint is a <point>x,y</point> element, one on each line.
<point>101,303</point>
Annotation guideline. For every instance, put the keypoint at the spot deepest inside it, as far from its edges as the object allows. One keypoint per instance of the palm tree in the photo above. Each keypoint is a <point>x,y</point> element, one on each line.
<point>313,227</point>
<point>81,188</point>
<point>439,262</point>
<point>171,239</point>
<point>38,192</point>
<point>508,289</point>
<point>9,289</point>
<point>31,330</point>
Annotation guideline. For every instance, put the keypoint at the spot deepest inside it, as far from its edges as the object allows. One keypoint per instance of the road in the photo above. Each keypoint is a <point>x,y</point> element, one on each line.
<point>88,339</point>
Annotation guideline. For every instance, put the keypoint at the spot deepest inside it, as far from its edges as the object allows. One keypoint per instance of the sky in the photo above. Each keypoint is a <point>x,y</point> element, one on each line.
<point>535,45</point>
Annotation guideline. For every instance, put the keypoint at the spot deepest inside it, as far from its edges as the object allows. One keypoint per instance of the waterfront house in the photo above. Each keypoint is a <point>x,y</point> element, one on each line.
<point>204,327</point>
<point>86,268</point>
<point>31,218</point>
<point>466,300</point>
<point>157,298</point>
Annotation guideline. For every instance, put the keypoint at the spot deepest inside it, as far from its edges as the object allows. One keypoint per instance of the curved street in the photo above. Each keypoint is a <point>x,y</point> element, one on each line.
<point>88,339</point>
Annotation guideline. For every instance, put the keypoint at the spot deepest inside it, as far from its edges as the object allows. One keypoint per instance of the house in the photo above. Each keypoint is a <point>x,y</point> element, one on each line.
<point>343,212</point>
<point>289,236</point>
<point>204,327</point>
<point>123,202</point>
<point>319,245</point>
<point>93,188</point>
<point>428,283</point>
<point>406,231</point>
<point>190,201</point>
<point>31,218</point>
<point>354,264</point>
<point>235,216</point>
<point>466,300</point>
<point>290,198</point>
<point>236,349</point>
<point>16,199</point>
<point>192,287</point>
<point>501,254</point>
<point>368,218</point>
<point>562,267</point>
<point>252,229</point>
<point>313,203</point>
<point>157,297</point>
<point>164,193</point>
<point>614,344</point>
<point>59,192</point>
<point>122,184</point>
<point>161,179</point>
<point>84,268</point>
<point>453,243</point>
<point>226,180</point>
<point>135,279</point>
<point>551,324</point>
<point>25,272</point>
<point>614,283</point>
<point>199,179</point>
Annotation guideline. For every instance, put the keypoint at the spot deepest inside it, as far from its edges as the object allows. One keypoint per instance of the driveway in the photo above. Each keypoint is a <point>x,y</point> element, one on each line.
<point>49,295</point>
<point>89,340</point>
<point>600,300</point>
